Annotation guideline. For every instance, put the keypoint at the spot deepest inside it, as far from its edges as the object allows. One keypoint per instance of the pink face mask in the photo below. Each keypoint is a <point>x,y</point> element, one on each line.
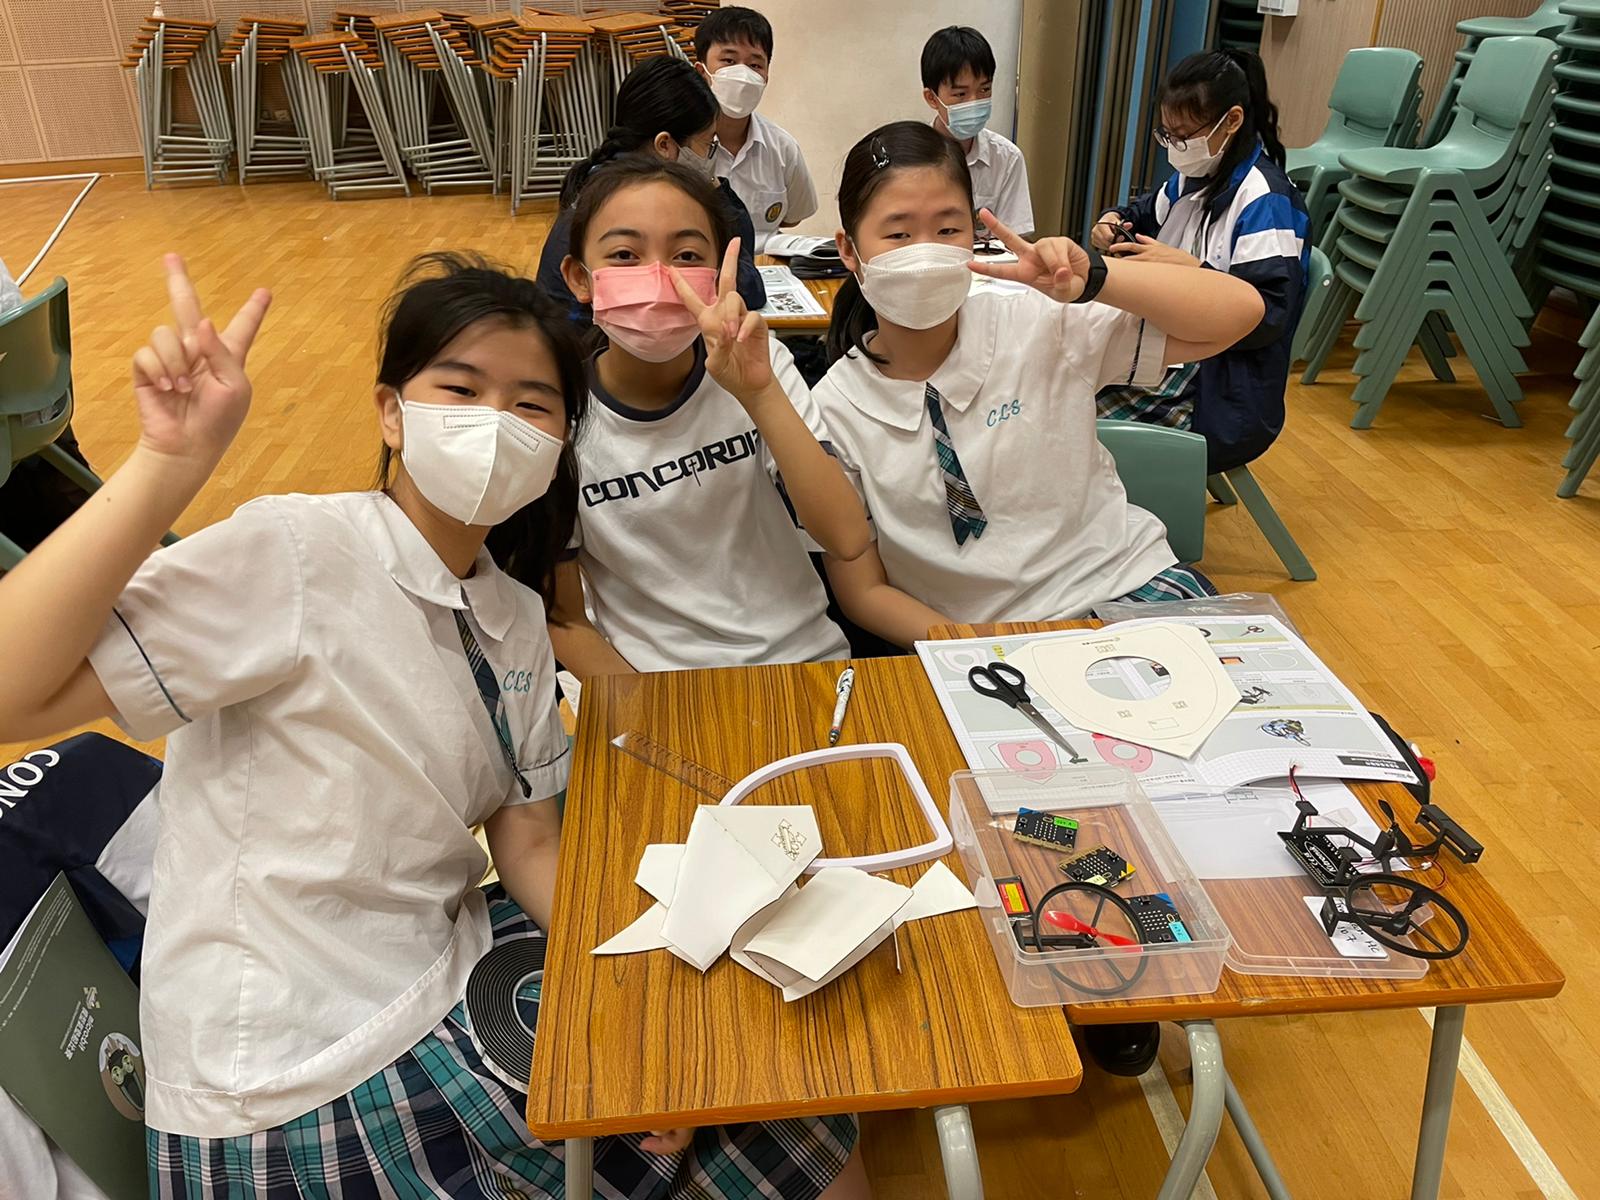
<point>639,310</point>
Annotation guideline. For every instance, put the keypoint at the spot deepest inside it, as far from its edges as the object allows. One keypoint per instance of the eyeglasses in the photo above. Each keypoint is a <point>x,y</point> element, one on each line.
<point>1173,142</point>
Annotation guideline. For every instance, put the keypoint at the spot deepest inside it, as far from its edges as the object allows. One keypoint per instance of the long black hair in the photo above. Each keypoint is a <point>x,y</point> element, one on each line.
<point>1206,85</point>
<point>661,95</point>
<point>631,169</point>
<point>439,295</point>
<point>871,161</point>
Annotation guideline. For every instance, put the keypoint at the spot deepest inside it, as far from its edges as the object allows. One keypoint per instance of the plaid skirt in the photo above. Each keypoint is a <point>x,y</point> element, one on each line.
<point>1175,583</point>
<point>438,1123</point>
<point>1170,402</point>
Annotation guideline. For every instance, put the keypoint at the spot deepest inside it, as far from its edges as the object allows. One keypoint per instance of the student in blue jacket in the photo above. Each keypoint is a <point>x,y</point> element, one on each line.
<point>1228,207</point>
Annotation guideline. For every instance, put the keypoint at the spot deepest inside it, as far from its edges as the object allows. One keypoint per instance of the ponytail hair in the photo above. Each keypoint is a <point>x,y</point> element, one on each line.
<point>1208,84</point>
<point>661,95</point>
<point>898,146</point>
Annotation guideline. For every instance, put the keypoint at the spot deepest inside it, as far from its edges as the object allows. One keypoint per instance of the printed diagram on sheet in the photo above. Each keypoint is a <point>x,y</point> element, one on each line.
<point>787,295</point>
<point>1293,712</point>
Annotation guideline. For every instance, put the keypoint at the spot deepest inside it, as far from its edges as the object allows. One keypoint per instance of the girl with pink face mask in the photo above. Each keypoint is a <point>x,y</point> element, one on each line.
<point>685,553</point>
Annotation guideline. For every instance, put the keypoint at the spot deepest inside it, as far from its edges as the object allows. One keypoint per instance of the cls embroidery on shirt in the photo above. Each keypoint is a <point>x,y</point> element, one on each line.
<point>689,466</point>
<point>1004,413</point>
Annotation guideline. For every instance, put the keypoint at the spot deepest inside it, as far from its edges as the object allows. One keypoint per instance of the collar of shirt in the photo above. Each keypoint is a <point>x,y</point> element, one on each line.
<point>756,137</point>
<point>691,385</point>
<point>1194,183</point>
<point>416,567</point>
<point>899,402</point>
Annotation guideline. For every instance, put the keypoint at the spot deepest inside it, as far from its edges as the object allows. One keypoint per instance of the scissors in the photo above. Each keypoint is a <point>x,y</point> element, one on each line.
<point>1009,686</point>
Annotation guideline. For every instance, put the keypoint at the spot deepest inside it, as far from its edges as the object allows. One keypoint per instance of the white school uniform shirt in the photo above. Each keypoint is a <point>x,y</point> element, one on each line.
<point>769,175</point>
<point>690,557</point>
<point>1018,394</point>
<point>1000,180</point>
<point>314,910</point>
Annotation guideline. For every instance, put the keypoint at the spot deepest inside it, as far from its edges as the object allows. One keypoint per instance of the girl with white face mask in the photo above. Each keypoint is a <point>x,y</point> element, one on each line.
<point>686,555</point>
<point>967,420</point>
<point>348,685</point>
<point>1230,206</point>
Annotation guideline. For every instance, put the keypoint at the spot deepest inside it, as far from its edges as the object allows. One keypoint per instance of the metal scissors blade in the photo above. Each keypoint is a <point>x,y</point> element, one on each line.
<point>1003,682</point>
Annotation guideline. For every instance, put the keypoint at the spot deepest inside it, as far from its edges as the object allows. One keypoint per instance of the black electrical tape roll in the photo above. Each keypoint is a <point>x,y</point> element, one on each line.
<point>502,1034</point>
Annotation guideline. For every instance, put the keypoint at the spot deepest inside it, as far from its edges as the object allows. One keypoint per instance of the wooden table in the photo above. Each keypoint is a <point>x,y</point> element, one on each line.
<point>646,1042</point>
<point>1503,961</point>
<point>823,289</point>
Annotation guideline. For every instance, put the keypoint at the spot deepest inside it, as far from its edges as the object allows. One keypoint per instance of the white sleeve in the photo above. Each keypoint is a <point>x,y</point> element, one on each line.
<point>802,193</point>
<point>794,386</point>
<point>545,755</point>
<point>212,621</point>
<point>1014,206</point>
<point>1108,346</point>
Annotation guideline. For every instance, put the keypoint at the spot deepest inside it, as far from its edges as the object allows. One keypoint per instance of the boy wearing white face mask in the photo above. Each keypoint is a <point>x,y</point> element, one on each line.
<point>758,158</point>
<point>958,84</point>
<point>967,419</point>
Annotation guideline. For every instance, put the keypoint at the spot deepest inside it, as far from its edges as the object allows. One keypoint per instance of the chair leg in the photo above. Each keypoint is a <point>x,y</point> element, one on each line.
<point>71,468</point>
<point>1220,491</point>
<point>10,553</point>
<point>1271,525</point>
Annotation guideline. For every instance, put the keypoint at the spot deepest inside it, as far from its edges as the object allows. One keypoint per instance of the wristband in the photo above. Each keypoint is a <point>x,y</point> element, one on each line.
<point>1096,278</point>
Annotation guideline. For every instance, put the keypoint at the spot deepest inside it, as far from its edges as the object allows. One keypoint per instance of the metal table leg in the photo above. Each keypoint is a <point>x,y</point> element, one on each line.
<point>1253,1143</point>
<point>1436,1101</point>
<point>1205,1112</point>
<point>579,1156</point>
<point>959,1150</point>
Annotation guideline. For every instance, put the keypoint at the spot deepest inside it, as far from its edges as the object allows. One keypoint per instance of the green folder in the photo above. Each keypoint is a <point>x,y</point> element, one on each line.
<point>69,1042</point>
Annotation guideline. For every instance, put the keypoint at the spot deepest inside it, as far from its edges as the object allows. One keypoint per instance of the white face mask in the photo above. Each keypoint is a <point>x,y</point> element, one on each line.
<point>477,464</point>
<point>703,165</point>
<point>738,89</point>
<point>1196,159</point>
<point>917,286</point>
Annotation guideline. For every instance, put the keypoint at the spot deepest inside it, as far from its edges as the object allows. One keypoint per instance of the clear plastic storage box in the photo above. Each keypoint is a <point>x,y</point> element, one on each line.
<point>1110,962</point>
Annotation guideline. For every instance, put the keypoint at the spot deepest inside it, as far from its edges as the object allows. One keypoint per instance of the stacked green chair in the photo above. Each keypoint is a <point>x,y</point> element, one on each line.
<point>1425,237</point>
<point>1239,25</point>
<point>1374,103</point>
<point>1569,239</point>
<point>36,394</point>
<point>1545,21</point>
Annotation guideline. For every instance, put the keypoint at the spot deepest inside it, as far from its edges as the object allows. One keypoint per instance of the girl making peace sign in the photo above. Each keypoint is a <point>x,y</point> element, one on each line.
<point>969,422</point>
<point>687,555</point>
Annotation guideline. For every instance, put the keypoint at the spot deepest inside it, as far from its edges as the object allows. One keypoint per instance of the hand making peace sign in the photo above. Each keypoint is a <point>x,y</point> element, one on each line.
<point>190,383</point>
<point>1058,267</point>
<point>736,338</point>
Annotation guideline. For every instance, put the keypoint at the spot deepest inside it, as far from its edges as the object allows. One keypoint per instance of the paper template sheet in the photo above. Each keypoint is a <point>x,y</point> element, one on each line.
<point>1294,712</point>
<point>787,295</point>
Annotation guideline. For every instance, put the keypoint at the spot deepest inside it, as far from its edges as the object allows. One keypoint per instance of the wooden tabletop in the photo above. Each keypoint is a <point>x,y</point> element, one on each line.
<point>823,289</point>
<point>1502,961</point>
<point>645,1041</point>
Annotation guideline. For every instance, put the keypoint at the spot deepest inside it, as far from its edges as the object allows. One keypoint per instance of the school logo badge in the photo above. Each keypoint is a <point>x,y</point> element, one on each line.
<point>774,211</point>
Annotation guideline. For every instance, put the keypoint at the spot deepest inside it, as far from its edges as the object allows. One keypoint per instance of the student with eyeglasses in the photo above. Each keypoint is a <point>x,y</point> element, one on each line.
<point>1228,206</point>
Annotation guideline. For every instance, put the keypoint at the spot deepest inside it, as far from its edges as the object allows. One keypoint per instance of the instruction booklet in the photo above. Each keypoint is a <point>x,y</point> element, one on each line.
<point>1292,712</point>
<point>69,1042</point>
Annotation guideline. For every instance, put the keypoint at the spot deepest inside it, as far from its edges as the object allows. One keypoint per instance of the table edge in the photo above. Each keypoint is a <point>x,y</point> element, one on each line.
<point>830,1106</point>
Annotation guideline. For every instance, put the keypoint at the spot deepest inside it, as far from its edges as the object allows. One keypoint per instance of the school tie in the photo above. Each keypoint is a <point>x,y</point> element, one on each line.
<point>489,690</point>
<point>966,514</point>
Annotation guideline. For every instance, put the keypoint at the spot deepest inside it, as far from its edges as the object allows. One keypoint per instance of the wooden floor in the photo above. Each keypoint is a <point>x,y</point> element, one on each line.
<point>1457,596</point>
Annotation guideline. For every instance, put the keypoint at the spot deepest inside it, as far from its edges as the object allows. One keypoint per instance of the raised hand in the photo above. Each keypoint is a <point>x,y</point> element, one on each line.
<point>189,381</point>
<point>1147,249</point>
<point>1058,267</point>
<point>736,338</point>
